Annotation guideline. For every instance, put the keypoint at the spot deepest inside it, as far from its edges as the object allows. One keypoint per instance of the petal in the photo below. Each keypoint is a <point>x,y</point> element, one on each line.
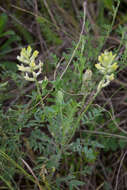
<point>23,69</point>
<point>29,50</point>
<point>98,66</point>
<point>28,78</point>
<point>32,64</point>
<point>114,66</point>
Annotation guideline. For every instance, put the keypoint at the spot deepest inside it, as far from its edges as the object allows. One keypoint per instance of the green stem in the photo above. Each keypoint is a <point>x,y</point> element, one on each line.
<point>87,107</point>
<point>80,117</point>
<point>47,185</point>
<point>39,93</point>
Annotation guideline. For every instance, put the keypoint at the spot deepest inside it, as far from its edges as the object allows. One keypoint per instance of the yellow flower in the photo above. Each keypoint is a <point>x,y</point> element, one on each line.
<point>106,63</point>
<point>32,68</point>
<point>106,66</point>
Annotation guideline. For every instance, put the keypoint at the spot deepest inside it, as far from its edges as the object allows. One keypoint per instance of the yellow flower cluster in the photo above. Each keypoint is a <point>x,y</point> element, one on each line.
<point>28,58</point>
<point>106,63</point>
<point>107,66</point>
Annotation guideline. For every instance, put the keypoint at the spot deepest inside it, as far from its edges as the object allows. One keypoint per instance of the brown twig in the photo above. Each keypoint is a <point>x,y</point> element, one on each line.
<point>51,15</point>
<point>31,171</point>
<point>116,186</point>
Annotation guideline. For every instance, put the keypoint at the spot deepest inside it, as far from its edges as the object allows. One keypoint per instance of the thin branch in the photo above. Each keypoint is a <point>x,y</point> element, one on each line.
<point>42,42</point>
<point>80,37</point>
<point>119,170</point>
<point>31,171</point>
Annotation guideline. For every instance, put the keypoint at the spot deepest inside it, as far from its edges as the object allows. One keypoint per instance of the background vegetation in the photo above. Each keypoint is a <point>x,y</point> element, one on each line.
<point>40,147</point>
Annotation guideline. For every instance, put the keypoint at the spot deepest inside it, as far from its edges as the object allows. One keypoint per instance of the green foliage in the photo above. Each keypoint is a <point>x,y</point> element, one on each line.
<point>92,115</point>
<point>3,22</point>
<point>8,38</point>
<point>51,136</point>
<point>48,33</point>
<point>24,33</point>
<point>108,4</point>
